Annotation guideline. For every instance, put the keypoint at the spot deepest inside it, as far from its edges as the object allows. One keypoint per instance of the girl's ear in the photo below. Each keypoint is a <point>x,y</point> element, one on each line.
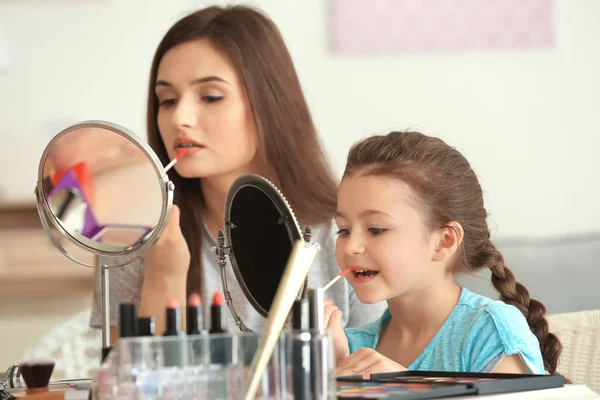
<point>448,237</point>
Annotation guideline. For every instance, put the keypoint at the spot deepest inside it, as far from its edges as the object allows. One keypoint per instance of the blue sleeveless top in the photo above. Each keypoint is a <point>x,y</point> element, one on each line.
<point>477,335</point>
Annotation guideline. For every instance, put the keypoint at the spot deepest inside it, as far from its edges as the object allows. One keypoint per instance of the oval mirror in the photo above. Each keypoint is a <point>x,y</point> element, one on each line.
<point>260,232</point>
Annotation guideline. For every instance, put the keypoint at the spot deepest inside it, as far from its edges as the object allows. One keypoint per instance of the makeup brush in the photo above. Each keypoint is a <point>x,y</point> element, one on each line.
<point>36,374</point>
<point>338,276</point>
<point>177,158</point>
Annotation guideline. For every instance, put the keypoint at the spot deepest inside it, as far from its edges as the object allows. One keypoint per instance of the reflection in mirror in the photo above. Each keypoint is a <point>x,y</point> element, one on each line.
<point>102,188</point>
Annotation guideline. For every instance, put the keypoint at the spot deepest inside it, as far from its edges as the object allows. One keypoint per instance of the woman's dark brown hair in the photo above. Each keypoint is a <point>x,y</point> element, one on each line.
<point>289,148</point>
<point>447,190</point>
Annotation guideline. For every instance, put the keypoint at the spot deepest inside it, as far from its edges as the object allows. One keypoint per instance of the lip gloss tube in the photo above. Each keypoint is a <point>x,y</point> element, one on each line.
<point>301,354</point>
<point>320,346</point>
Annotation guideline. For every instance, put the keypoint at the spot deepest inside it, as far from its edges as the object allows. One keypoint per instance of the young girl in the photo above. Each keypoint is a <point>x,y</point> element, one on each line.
<point>223,80</point>
<point>411,216</point>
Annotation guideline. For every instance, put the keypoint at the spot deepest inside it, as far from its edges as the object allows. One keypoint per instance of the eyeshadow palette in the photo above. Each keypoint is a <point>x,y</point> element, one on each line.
<point>430,384</point>
<point>398,390</point>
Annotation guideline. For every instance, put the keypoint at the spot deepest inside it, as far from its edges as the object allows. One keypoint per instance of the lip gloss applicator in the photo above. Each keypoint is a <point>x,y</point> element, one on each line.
<point>338,276</point>
<point>178,157</point>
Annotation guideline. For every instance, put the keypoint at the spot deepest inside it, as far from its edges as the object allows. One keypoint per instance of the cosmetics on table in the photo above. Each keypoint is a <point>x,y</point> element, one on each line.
<point>217,314</point>
<point>128,325</point>
<point>195,327</point>
<point>301,350</point>
<point>146,326</point>
<point>175,351</point>
<point>173,320</point>
<point>221,351</point>
<point>195,324</point>
<point>320,346</point>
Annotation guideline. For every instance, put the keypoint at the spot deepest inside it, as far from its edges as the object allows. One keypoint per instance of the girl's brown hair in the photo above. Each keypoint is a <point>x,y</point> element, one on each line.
<point>289,148</point>
<point>447,190</point>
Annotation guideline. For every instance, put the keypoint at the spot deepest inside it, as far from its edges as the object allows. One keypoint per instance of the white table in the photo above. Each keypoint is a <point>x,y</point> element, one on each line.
<point>570,392</point>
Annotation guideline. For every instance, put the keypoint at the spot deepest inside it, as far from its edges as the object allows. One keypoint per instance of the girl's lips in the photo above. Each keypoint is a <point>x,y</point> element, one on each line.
<point>364,276</point>
<point>363,279</point>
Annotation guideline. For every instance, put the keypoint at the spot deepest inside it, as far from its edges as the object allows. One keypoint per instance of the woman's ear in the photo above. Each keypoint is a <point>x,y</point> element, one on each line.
<point>448,239</point>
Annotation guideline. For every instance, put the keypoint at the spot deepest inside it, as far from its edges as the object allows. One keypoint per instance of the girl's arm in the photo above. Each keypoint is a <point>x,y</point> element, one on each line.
<point>511,365</point>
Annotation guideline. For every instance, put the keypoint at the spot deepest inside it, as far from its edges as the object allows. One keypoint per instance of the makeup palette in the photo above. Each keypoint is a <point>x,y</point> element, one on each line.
<point>391,390</point>
<point>432,384</point>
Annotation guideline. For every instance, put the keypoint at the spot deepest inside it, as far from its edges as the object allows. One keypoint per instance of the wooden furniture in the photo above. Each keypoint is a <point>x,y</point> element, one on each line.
<point>30,265</point>
<point>579,333</point>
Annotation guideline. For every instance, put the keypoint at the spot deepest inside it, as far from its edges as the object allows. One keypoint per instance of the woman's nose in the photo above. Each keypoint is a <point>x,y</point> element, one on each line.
<point>186,114</point>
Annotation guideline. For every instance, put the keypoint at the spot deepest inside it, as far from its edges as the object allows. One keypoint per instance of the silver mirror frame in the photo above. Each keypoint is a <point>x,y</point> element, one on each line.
<point>166,187</point>
<point>224,248</point>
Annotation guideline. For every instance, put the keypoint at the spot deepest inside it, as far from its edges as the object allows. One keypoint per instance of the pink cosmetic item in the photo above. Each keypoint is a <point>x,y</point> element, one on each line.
<point>338,276</point>
<point>178,157</point>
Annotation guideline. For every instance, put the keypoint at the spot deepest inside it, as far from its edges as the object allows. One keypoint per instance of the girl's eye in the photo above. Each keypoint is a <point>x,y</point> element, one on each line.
<point>377,231</point>
<point>343,232</point>
<point>212,99</point>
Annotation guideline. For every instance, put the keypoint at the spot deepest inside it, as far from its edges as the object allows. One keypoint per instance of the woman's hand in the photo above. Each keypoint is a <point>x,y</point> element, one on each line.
<point>165,274</point>
<point>170,256</point>
<point>365,362</point>
<point>333,321</point>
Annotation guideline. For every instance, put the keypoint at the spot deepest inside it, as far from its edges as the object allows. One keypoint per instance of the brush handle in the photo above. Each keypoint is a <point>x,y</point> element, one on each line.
<point>293,277</point>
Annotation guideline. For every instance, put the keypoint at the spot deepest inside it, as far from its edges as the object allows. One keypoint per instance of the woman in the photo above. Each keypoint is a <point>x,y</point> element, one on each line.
<point>223,82</point>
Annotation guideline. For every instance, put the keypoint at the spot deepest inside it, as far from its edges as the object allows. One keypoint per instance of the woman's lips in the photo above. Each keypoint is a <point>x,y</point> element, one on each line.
<point>190,150</point>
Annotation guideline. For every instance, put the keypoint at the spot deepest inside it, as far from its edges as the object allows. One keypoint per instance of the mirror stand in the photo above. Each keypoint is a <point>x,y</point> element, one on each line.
<point>92,178</point>
<point>221,252</point>
<point>104,271</point>
<point>105,310</point>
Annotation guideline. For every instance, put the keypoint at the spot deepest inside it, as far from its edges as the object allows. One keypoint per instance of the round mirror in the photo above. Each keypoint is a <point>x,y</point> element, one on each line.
<point>104,189</point>
<point>260,232</point>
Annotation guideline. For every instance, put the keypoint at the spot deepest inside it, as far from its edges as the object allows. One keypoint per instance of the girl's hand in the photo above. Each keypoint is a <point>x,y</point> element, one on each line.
<point>365,362</point>
<point>333,321</point>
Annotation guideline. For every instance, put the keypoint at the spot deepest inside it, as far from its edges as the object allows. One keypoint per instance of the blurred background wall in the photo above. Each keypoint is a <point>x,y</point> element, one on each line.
<point>526,117</point>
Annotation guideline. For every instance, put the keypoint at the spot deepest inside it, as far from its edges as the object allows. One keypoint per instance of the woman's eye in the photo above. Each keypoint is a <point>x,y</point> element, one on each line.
<point>377,231</point>
<point>343,232</point>
<point>212,99</point>
<point>166,102</point>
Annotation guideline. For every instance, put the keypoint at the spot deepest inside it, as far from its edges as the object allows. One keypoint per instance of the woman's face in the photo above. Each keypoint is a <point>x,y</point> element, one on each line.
<point>203,108</point>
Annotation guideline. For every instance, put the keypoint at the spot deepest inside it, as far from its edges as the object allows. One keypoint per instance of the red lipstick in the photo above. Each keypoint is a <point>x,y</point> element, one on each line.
<point>217,314</point>
<point>194,315</point>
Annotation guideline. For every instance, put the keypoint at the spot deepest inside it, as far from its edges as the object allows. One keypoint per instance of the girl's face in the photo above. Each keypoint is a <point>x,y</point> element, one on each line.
<point>203,108</point>
<point>383,235</point>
